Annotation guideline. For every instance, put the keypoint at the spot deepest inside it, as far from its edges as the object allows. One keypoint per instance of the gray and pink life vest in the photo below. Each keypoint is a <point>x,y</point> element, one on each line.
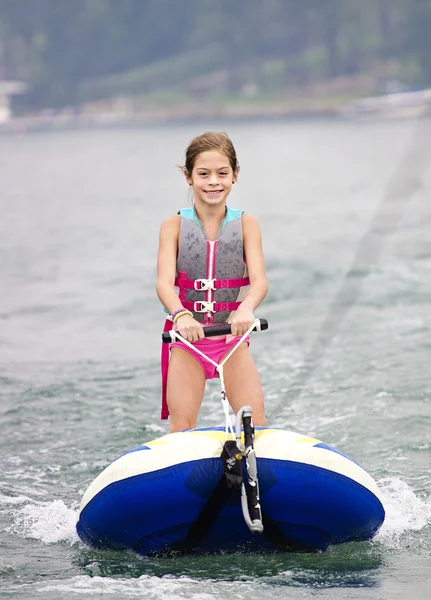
<point>211,276</point>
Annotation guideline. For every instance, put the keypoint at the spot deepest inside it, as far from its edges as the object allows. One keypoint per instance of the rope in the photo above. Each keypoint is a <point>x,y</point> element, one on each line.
<point>250,498</point>
<point>224,399</point>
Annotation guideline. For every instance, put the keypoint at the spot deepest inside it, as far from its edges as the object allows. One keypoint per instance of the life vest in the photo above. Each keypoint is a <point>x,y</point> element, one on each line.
<point>211,275</point>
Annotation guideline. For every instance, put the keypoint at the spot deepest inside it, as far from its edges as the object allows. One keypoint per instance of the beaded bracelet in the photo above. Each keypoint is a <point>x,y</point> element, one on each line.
<point>177,312</point>
<point>180,313</point>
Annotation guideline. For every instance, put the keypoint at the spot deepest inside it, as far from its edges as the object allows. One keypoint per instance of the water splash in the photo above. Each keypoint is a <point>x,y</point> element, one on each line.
<point>168,588</point>
<point>49,522</point>
<point>405,512</point>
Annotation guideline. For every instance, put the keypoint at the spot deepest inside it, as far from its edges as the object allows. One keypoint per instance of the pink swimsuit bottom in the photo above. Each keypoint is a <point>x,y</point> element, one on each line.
<point>216,349</point>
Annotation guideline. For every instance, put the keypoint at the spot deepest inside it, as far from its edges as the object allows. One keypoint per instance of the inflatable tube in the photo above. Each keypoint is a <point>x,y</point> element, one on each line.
<point>165,496</point>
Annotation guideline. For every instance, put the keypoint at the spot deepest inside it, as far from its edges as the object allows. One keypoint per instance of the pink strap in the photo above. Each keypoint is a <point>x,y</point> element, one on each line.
<point>164,366</point>
<point>218,283</point>
<point>218,306</point>
<point>183,292</point>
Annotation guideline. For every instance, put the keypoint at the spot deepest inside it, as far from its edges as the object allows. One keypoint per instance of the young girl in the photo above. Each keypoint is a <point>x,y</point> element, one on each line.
<point>210,270</point>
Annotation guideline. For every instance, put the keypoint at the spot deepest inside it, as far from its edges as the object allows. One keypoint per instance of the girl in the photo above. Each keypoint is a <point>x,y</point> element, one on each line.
<point>210,270</point>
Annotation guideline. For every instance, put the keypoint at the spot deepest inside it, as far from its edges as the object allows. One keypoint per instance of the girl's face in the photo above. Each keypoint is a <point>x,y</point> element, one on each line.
<point>212,178</point>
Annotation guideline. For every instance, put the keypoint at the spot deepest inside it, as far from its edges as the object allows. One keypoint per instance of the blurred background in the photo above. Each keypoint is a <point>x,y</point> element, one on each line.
<point>177,59</point>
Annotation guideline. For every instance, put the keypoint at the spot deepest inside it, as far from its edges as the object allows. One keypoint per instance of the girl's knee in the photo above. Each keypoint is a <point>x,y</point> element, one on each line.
<point>181,424</point>
<point>259,420</point>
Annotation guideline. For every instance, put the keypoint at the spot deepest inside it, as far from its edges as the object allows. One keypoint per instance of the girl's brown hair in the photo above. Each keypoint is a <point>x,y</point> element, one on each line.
<point>210,140</point>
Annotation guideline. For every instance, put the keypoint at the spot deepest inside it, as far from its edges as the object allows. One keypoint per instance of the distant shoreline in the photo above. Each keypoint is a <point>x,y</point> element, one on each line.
<point>118,114</point>
<point>74,120</point>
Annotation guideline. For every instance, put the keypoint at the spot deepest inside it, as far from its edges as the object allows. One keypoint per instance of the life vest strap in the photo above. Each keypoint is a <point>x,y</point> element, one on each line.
<point>203,285</point>
<point>211,307</point>
<point>164,363</point>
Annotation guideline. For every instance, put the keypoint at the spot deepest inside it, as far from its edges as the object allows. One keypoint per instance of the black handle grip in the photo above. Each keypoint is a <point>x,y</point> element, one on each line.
<point>222,329</point>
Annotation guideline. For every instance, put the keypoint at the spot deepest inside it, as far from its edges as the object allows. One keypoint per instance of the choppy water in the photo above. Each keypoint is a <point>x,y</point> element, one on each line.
<point>346,215</point>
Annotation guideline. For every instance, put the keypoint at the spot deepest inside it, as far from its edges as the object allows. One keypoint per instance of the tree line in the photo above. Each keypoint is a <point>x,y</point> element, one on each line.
<point>71,51</point>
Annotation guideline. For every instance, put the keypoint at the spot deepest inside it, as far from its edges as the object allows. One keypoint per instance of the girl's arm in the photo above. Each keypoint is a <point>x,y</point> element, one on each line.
<point>252,236</point>
<point>255,262</point>
<point>166,270</point>
<point>166,263</point>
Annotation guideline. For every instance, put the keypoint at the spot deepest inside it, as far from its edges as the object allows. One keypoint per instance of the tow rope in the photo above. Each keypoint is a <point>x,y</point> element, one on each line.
<point>234,454</point>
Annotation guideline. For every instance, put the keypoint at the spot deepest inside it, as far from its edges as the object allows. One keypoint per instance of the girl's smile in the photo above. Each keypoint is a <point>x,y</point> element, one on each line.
<point>212,177</point>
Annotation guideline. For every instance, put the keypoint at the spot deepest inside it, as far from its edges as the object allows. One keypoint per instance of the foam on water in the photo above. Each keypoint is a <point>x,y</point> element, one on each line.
<point>6,501</point>
<point>53,522</point>
<point>152,587</point>
<point>155,428</point>
<point>405,512</point>
<point>167,587</point>
<point>49,522</point>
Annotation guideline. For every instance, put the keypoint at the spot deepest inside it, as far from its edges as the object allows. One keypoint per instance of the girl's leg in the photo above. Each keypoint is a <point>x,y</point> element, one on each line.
<point>185,389</point>
<point>243,385</point>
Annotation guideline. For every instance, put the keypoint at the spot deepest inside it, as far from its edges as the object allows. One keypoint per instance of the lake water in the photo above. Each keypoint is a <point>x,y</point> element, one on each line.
<point>346,218</point>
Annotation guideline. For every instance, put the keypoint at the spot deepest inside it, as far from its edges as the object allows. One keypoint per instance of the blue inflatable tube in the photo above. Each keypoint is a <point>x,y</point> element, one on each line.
<point>165,496</point>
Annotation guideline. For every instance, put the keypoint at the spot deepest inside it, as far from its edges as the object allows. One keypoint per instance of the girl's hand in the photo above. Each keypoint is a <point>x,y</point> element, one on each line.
<point>189,328</point>
<point>241,321</point>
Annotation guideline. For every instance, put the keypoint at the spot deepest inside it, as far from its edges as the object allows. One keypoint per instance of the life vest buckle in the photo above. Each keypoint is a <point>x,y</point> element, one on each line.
<point>203,307</point>
<point>204,285</point>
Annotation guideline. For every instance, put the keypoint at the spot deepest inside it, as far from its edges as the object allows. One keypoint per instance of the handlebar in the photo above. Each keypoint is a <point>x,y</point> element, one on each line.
<point>169,337</point>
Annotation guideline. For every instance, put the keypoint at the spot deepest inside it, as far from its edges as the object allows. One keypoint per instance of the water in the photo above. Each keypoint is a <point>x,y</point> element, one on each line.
<point>345,214</point>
